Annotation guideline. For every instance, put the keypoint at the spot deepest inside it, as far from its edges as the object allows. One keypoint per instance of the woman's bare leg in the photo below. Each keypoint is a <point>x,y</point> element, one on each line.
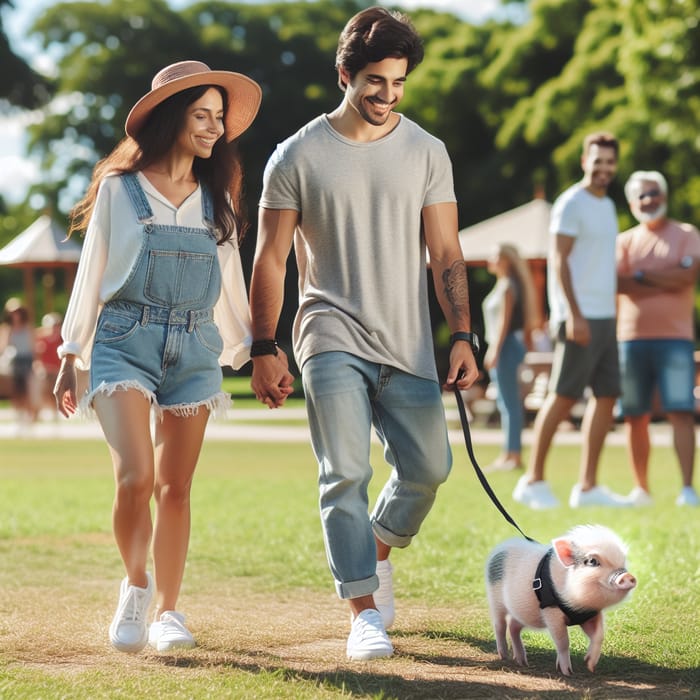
<point>125,420</point>
<point>178,444</point>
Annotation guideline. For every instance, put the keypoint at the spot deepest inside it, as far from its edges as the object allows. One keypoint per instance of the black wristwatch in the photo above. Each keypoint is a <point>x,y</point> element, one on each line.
<point>263,347</point>
<point>468,337</point>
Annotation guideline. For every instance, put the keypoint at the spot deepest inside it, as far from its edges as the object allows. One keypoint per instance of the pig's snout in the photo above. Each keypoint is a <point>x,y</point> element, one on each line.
<point>624,580</point>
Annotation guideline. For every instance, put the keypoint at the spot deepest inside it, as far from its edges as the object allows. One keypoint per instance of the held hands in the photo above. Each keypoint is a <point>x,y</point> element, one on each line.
<point>463,369</point>
<point>271,381</point>
<point>65,388</point>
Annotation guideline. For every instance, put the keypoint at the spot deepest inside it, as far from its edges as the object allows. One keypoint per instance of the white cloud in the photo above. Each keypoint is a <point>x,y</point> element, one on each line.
<point>17,173</point>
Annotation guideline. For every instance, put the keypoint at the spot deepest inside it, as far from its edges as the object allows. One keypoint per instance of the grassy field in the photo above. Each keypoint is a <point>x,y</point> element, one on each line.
<point>261,604</point>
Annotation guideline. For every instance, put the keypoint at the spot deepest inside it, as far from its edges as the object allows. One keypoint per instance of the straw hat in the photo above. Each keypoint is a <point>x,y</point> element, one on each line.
<point>244,95</point>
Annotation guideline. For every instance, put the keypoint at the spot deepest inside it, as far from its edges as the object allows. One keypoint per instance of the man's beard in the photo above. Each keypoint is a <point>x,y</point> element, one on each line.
<point>646,217</point>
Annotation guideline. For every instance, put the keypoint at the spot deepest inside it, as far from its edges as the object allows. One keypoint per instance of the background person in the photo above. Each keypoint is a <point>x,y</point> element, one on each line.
<point>17,348</point>
<point>510,316</point>
<point>581,281</point>
<point>47,364</point>
<point>657,265</point>
<point>361,192</point>
<point>159,301</point>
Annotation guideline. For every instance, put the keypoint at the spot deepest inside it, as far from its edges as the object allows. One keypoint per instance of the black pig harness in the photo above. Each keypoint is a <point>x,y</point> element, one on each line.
<point>543,586</point>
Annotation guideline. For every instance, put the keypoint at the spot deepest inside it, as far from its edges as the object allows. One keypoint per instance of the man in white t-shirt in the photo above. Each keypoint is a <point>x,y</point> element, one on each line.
<point>581,285</point>
<point>361,192</point>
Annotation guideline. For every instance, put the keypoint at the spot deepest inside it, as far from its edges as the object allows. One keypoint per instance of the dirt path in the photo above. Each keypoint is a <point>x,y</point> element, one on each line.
<point>304,638</point>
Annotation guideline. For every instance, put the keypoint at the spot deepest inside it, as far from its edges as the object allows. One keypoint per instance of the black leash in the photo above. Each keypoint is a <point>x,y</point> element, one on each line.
<point>484,482</point>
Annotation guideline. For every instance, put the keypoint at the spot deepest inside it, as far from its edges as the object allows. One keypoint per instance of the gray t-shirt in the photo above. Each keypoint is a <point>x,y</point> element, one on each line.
<point>359,244</point>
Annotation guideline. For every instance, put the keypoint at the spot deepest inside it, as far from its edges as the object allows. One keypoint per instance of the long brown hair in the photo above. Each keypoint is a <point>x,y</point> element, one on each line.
<point>222,172</point>
<point>520,270</point>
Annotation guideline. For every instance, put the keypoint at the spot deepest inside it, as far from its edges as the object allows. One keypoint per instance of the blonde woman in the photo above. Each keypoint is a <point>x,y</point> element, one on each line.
<point>510,316</point>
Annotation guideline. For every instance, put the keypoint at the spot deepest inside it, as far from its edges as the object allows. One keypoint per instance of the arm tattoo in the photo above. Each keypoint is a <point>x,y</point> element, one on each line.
<point>454,279</point>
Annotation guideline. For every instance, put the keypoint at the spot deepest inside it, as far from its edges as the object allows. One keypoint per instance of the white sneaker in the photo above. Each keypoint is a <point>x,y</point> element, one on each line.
<point>169,632</point>
<point>536,495</point>
<point>688,497</point>
<point>384,595</point>
<point>128,631</point>
<point>368,638</point>
<point>639,497</point>
<point>503,465</point>
<point>597,496</point>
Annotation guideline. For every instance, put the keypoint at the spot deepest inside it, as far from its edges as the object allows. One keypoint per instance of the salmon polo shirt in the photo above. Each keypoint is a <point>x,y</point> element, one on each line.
<point>663,313</point>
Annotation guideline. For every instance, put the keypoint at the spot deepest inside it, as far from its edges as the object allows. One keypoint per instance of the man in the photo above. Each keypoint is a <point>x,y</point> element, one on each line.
<point>657,266</point>
<point>581,291</point>
<point>361,192</point>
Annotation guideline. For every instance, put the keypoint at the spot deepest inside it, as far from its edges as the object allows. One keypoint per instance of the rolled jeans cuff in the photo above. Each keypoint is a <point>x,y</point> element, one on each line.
<point>390,538</point>
<point>357,589</point>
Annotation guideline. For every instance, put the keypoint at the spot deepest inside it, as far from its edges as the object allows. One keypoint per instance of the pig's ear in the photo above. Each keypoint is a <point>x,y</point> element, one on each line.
<point>564,550</point>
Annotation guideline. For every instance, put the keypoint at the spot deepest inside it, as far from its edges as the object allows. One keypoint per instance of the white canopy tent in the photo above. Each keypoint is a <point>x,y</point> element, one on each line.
<point>41,245</point>
<point>526,227</point>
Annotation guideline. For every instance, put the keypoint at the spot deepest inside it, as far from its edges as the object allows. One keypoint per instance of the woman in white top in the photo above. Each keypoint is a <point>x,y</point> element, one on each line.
<point>510,316</point>
<point>158,304</point>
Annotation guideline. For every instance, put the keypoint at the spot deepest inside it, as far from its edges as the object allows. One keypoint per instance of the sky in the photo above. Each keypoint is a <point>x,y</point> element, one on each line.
<point>17,171</point>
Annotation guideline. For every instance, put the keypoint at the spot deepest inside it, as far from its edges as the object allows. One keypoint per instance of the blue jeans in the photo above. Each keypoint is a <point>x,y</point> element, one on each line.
<point>508,400</point>
<point>345,396</point>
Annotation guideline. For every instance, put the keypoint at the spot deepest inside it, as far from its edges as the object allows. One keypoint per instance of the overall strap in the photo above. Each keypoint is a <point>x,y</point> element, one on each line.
<point>138,198</point>
<point>207,206</point>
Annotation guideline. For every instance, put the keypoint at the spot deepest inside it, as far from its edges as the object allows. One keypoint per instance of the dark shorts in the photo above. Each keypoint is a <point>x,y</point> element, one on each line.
<point>21,371</point>
<point>595,365</point>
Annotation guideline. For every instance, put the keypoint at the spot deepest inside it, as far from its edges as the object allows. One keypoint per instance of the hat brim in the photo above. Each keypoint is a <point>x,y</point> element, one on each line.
<point>244,96</point>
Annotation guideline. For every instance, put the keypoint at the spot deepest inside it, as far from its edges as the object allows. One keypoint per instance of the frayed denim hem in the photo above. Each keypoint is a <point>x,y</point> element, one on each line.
<point>85,407</point>
<point>218,404</point>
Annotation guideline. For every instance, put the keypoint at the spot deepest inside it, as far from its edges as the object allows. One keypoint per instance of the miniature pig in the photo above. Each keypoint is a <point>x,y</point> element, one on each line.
<point>569,583</point>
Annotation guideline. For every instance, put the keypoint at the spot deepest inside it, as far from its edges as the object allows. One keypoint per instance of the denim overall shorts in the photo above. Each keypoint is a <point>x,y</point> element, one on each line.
<point>157,333</point>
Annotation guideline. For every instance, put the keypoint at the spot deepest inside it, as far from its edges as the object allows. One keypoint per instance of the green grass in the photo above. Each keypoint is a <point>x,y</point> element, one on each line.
<point>255,525</point>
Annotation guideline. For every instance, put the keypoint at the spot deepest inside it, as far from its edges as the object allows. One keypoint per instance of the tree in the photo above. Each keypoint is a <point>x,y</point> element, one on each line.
<point>512,102</point>
<point>659,60</point>
<point>633,69</point>
<point>20,86</point>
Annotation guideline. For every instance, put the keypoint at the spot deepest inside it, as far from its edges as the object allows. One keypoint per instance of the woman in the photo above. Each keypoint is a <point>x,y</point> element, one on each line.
<point>510,316</point>
<point>159,301</point>
<point>17,347</point>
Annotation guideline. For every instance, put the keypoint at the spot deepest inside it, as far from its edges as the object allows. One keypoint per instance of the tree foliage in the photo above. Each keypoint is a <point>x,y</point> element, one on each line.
<point>20,86</point>
<point>511,101</point>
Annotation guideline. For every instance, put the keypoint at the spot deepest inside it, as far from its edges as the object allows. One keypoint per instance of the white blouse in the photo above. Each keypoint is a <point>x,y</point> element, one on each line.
<point>112,244</point>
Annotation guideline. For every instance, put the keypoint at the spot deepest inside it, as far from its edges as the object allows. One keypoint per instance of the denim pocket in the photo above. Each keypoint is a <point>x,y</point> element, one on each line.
<point>208,335</point>
<point>178,278</point>
<point>111,328</point>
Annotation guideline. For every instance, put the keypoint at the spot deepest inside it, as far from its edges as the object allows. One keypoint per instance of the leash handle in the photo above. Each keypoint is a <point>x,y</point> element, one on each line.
<point>480,474</point>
